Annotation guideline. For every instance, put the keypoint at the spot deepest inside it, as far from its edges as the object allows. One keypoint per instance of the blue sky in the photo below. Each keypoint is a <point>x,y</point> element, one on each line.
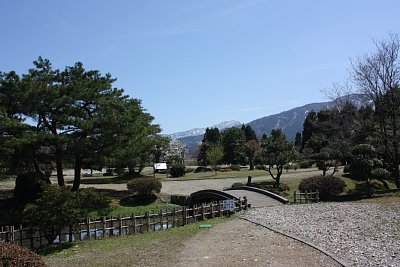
<point>197,63</point>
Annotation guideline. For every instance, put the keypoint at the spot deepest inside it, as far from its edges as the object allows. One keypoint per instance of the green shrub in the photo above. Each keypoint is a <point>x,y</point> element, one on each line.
<point>272,187</point>
<point>327,186</point>
<point>217,168</point>
<point>177,170</point>
<point>109,172</point>
<point>144,186</point>
<point>28,186</point>
<point>56,208</point>
<point>91,200</point>
<point>190,169</point>
<point>235,167</point>
<point>305,164</point>
<point>16,256</point>
<point>346,169</point>
<point>236,185</point>
<point>119,171</point>
<point>260,167</point>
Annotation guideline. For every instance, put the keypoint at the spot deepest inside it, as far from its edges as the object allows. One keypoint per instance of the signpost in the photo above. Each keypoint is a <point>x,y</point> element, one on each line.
<point>159,166</point>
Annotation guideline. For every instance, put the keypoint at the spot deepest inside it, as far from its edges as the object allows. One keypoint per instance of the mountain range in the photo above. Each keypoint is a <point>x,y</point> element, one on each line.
<point>290,122</point>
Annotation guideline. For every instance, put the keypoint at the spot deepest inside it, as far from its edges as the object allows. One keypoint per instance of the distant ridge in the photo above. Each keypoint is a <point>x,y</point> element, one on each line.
<point>290,121</point>
<point>200,131</point>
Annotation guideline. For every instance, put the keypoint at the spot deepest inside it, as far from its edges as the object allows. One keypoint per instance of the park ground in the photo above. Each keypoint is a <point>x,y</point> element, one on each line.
<point>236,242</point>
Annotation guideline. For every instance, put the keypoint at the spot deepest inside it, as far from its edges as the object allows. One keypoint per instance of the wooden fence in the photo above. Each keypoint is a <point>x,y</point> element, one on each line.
<point>117,226</point>
<point>305,197</point>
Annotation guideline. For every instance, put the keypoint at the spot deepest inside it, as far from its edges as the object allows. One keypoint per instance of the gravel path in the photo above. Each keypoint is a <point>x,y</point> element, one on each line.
<point>363,234</point>
<point>241,243</point>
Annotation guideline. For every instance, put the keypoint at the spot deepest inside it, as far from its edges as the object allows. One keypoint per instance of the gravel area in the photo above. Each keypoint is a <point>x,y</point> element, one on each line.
<point>363,234</point>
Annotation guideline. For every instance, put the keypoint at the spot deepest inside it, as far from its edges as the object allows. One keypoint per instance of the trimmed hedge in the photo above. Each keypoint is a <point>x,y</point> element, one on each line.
<point>15,256</point>
<point>177,170</point>
<point>328,186</point>
<point>144,186</point>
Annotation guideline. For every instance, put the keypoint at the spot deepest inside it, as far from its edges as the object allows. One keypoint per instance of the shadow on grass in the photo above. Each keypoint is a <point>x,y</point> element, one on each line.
<point>367,188</point>
<point>137,200</point>
<point>117,194</point>
<point>53,249</point>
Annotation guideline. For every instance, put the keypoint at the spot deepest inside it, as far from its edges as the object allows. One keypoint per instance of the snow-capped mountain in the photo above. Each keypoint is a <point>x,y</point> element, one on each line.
<point>200,131</point>
<point>290,121</point>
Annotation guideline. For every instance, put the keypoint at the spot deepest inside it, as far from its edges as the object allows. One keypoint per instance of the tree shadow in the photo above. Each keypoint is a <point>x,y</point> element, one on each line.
<point>53,249</point>
<point>137,200</point>
<point>367,188</point>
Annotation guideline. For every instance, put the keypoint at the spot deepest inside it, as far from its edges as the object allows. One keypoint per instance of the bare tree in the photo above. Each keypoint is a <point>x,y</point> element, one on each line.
<point>377,76</point>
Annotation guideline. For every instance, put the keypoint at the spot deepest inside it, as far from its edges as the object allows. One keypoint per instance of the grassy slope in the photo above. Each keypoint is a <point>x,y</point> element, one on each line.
<point>150,249</point>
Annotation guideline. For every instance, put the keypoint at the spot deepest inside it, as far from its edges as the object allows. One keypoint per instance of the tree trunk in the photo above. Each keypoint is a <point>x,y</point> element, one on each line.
<point>59,167</point>
<point>131,169</point>
<point>77,176</point>
<point>251,165</point>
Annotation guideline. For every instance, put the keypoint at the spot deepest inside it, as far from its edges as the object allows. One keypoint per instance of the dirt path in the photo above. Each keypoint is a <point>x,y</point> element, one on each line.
<point>241,243</point>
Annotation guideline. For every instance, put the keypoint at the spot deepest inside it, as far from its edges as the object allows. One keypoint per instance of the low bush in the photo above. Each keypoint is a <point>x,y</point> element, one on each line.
<point>91,200</point>
<point>305,164</point>
<point>109,172</point>
<point>203,169</point>
<point>56,208</point>
<point>16,256</point>
<point>236,185</point>
<point>28,186</point>
<point>177,170</point>
<point>190,169</point>
<point>260,167</point>
<point>346,169</point>
<point>235,168</point>
<point>144,186</point>
<point>119,171</point>
<point>327,186</point>
<point>272,187</point>
<point>217,168</point>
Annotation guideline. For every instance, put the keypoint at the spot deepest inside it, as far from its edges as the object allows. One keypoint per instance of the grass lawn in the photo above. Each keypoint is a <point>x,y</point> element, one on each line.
<point>149,249</point>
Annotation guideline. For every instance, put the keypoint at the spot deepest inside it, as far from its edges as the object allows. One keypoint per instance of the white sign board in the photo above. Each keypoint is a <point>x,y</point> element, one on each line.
<point>160,166</point>
<point>229,204</point>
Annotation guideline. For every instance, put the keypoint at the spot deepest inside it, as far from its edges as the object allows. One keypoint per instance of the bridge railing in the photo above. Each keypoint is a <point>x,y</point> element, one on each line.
<point>305,197</point>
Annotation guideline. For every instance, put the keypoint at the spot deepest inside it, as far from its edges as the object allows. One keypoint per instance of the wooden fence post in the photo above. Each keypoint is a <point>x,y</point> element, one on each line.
<point>20,234</point>
<point>95,229</point>
<point>31,243</point>
<point>306,197</point>
<point>184,215</point>
<point>134,222</point>
<point>147,214</point>
<point>174,218</point>
<point>162,220</point>
<point>120,225</point>
<point>317,196</point>
<point>203,215</point>
<point>294,197</point>
<point>103,225</point>
<point>87,228</point>
<point>212,209</point>
<point>111,231</point>
<point>70,233</point>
